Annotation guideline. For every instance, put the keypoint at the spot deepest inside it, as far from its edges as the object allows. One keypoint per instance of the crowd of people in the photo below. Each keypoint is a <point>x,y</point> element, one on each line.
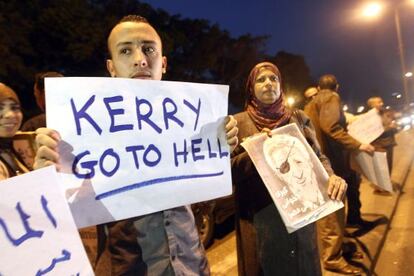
<point>167,242</point>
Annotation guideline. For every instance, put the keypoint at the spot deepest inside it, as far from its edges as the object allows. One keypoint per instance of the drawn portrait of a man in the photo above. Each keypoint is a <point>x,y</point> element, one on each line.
<point>291,163</point>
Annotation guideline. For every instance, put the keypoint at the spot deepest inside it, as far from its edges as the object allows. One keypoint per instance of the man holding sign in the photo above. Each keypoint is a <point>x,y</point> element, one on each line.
<point>161,243</point>
<point>330,125</point>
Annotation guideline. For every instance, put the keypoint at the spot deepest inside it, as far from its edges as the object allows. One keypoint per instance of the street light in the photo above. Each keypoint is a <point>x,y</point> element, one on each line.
<point>372,10</point>
<point>290,101</point>
<point>360,108</point>
<point>408,74</point>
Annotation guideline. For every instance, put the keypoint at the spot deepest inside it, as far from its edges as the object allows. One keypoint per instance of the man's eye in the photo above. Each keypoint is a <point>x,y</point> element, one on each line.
<point>149,50</point>
<point>274,78</point>
<point>260,79</point>
<point>125,51</point>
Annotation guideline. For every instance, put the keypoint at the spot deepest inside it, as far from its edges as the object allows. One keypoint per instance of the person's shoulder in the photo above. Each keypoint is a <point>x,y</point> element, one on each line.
<point>240,115</point>
<point>242,118</point>
<point>326,95</point>
<point>300,112</point>
<point>301,117</point>
<point>34,123</point>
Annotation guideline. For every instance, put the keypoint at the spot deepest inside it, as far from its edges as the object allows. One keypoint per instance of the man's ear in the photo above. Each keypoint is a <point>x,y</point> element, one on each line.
<point>110,67</point>
<point>164,64</point>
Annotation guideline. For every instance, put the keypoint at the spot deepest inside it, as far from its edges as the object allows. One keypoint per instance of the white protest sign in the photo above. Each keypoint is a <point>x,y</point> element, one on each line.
<point>133,147</point>
<point>37,233</point>
<point>366,127</point>
<point>375,169</point>
<point>293,175</point>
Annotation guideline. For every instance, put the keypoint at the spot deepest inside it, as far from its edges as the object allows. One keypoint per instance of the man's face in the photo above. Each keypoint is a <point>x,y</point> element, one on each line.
<point>299,173</point>
<point>136,51</point>
<point>377,103</point>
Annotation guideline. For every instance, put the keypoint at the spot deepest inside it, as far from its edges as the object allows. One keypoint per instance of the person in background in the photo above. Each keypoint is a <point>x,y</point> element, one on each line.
<point>386,142</point>
<point>10,120</point>
<point>161,243</point>
<point>309,94</point>
<point>264,247</point>
<point>326,114</point>
<point>39,121</point>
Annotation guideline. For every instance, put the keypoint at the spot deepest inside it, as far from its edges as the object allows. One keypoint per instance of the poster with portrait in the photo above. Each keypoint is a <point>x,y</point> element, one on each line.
<point>293,175</point>
<point>24,145</point>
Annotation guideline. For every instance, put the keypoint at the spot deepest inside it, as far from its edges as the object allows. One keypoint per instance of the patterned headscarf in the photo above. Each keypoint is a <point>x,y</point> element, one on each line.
<point>265,115</point>
<point>7,93</point>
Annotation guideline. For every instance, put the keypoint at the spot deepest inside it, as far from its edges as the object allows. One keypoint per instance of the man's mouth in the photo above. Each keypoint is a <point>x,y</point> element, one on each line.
<point>142,75</point>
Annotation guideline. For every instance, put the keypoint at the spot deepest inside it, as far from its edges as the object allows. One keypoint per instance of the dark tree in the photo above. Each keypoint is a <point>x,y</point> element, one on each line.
<point>70,36</point>
<point>295,74</point>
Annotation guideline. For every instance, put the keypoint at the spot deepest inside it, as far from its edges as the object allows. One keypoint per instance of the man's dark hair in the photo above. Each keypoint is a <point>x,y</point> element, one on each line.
<point>328,82</point>
<point>40,78</point>
<point>127,18</point>
<point>133,18</point>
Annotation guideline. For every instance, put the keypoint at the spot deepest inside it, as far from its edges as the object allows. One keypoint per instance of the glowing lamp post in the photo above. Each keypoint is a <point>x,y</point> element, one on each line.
<point>373,10</point>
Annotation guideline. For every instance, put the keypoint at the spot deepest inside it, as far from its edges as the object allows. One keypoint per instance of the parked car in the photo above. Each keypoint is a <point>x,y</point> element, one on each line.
<point>209,213</point>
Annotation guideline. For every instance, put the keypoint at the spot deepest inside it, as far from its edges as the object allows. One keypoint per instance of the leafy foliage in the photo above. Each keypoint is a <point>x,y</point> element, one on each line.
<point>69,36</point>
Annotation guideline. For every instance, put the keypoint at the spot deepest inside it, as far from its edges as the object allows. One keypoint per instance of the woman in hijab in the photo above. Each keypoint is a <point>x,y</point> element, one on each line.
<point>10,120</point>
<point>264,246</point>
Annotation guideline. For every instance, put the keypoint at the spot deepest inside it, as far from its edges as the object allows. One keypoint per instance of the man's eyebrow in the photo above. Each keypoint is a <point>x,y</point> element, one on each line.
<point>127,43</point>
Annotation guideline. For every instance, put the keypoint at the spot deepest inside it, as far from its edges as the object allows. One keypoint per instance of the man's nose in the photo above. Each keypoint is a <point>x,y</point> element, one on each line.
<point>140,59</point>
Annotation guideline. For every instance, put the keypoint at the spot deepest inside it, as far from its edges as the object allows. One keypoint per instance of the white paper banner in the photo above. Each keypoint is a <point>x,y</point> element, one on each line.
<point>375,169</point>
<point>133,147</point>
<point>293,175</point>
<point>38,235</point>
<point>366,127</point>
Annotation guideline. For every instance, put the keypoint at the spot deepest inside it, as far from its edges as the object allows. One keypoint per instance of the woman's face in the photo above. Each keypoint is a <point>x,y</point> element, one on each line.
<point>10,118</point>
<point>267,86</point>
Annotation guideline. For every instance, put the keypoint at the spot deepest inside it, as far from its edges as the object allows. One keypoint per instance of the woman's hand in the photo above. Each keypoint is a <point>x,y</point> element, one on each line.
<point>47,148</point>
<point>231,132</point>
<point>336,187</point>
<point>267,131</point>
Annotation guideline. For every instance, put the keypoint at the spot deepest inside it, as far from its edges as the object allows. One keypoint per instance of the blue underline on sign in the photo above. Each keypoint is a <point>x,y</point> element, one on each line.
<point>153,182</point>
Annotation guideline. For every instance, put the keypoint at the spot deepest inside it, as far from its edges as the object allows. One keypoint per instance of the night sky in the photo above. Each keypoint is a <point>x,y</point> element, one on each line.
<point>330,34</point>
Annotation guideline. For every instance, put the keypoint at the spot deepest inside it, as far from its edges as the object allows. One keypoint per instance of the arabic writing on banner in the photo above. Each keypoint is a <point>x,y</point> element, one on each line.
<point>366,127</point>
<point>37,233</point>
<point>133,147</point>
<point>293,175</point>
